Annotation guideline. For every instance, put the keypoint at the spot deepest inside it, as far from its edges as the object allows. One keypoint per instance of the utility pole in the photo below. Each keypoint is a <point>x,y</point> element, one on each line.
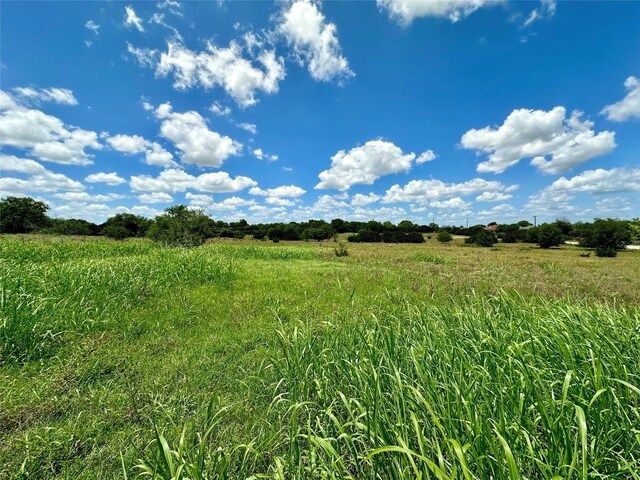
<point>535,220</point>
<point>467,223</point>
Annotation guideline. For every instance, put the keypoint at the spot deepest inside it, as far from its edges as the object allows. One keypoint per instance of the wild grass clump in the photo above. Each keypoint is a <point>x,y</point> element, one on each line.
<point>341,250</point>
<point>497,387</point>
<point>261,252</point>
<point>41,302</point>
<point>430,258</point>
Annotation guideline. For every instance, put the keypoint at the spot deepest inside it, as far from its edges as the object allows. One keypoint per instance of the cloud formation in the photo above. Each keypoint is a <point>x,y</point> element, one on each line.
<point>629,107</point>
<point>553,142</point>
<point>314,41</point>
<point>364,165</point>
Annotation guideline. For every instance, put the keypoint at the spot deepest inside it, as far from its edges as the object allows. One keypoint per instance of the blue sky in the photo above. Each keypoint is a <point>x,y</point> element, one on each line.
<point>390,110</point>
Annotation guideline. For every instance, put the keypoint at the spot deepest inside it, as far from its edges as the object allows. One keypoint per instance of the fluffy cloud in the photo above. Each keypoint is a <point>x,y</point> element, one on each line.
<point>260,155</point>
<point>405,11</point>
<point>627,108</point>
<point>199,200</point>
<point>44,135</point>
<point>219,110</point>
<point>538,134</point>
<point>314,41</point>
<point>360,200</point>
<point>425,157</point>
<point>12,163</point>
<point>600,181</point>
<point>283,202</point>
<point>216,66</point>
<point>199,145</point>
<point>492,196</point>
<point>155,154</point>
<point>131,19</point>
<point>282,191</point>
<point>501,211</point>
<point>555,200</point>
<point>155,197</point>
<point>230,204</point>
<point>109,178</point>
<point>452,203</point>
<point>62,96</point>
<point>173,180</point>
<point>424,190</point>
<point>364,165</point>
<point>43,181</point>
<point>86,197</point>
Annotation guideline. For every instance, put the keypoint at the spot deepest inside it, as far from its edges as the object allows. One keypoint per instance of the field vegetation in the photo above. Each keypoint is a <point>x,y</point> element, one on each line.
<point>239,358</point>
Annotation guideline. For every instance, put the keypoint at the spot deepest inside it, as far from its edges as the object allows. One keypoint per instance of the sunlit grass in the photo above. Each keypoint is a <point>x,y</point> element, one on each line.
<point>396,361</point>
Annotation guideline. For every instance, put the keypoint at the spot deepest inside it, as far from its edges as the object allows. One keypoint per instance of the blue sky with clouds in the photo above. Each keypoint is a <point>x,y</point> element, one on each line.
<point>390,110</point>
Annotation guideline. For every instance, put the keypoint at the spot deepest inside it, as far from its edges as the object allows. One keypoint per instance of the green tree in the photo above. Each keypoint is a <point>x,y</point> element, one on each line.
<point>22,215</point>
<point>549,235</point>
<point>482,238</point>
<point>125,225</point>
<point>606,236</point>
<point>444,237</point>
<point>182,226</point>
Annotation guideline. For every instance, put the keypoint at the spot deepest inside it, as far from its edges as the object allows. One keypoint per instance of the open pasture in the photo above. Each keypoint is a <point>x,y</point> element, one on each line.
<point>244,358</point>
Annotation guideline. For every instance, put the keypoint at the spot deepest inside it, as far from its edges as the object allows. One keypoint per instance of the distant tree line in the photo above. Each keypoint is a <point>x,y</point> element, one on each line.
<point>181,225</point>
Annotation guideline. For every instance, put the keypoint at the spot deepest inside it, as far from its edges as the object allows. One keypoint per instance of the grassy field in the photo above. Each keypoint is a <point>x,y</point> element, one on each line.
<point>241,358</point>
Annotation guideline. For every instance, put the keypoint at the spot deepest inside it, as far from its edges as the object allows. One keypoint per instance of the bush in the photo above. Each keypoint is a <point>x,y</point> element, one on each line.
<point>365,235</point>
<point>125,225</point>
<point>550,235</point>
<point>606,236</point>
<point>606,251</point>
<point>510,237</point>
<point>444,237</point>
<point>482,238</point>
<point>181,226</point>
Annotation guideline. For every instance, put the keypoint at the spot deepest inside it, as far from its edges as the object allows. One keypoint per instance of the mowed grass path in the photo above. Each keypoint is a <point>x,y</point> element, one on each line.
<point>395,362</point>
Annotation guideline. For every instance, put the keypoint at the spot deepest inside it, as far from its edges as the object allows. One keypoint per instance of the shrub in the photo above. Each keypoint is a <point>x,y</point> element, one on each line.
<point>510,237</point>
<point>181,226</point>
<point>482,238</point>
<point>341,250</point>
<point>365,235</point>
<point>606,236</point>
<point>549,235</point>
<point>604,251</point>
<point>444,237</point>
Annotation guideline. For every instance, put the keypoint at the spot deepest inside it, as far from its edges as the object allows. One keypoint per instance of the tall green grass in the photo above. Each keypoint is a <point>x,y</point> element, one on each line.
<point>41,302</point>
<point>478,388</point>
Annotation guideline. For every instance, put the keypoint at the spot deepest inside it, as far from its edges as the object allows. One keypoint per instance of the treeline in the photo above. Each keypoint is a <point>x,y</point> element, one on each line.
<point>180,225</point>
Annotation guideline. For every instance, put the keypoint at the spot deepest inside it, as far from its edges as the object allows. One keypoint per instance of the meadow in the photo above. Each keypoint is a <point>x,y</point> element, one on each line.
<point>248,359</point>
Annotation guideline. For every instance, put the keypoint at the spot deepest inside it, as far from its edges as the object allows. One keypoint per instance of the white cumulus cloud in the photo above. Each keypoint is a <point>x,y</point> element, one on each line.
<point>425,190</point>
<point>227,68</point>
<point>314,41</point>
<point>282,191</point>
<point>174,180</point>
<point>108,178</point>
<point>364,165</point>
<point>46,136</point>
<point>155,154</point>
<point>199,145</point>
<point>553,142</point>
<point>629,107</point>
